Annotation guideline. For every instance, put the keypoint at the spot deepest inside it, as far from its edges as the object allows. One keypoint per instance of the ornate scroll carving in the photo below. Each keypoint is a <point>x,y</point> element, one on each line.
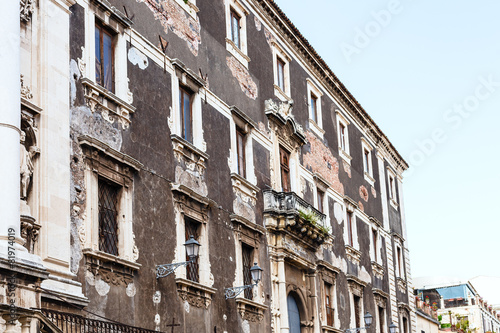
<point>26,10</point>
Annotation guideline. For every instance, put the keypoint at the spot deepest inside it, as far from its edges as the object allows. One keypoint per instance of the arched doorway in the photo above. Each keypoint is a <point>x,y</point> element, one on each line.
<point>293,314</point>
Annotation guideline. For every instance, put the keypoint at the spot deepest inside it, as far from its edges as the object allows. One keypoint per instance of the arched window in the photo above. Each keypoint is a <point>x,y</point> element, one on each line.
<point>293,314</point>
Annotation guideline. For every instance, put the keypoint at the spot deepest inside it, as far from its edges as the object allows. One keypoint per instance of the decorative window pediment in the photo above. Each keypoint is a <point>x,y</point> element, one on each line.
<point>285,125</point>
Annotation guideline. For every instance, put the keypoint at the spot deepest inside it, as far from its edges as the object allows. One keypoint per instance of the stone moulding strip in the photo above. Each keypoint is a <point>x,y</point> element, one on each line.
<point>89,141</point>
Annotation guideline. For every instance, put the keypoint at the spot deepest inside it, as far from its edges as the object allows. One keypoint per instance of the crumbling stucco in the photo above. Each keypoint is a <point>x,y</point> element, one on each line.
<point>138,58</point>
<point>269,37</point>
<point>374,193</point>
<point>364,275</point>
<point>258,24</point>
<point>321,160</point>
<point>363,193</point>
<point>174,18</point>
<point>360,206</point>
<point>192,179</point>
<point>347,168</point>
<point>241,74</point>
<point>338,212</point>
<point>243,207</point>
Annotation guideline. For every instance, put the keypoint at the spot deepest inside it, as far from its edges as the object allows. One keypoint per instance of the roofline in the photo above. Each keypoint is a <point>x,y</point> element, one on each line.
<point>288,28</point>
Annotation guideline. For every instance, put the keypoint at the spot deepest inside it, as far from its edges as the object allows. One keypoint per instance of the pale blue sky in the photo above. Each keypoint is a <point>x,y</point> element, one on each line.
<point>412,75</point>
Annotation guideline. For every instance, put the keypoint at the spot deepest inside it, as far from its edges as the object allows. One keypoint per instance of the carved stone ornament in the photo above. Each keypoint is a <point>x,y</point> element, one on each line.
<point>196,294</point>
<point>29,232</point>
<point>81,63</point>
<point>281,115</point>
<point>26,10</point>
<point>250,310</point>
<point>25,90</point>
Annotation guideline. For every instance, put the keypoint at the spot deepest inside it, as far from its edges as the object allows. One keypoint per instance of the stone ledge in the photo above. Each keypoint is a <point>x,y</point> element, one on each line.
<point>196,294</point>
<point>250,310</point>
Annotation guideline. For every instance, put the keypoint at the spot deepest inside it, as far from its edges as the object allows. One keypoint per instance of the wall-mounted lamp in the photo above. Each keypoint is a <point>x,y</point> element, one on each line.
<point>368,321</point>
<point>393,328</point>
<point>192,250</point>
<point>256,273</point>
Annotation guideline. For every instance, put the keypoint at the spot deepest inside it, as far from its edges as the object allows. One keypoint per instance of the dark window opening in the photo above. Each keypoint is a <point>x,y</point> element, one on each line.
<point>108,213</point>
<point>285,170</point>
<point>185,106</point>
<point>357,310</point>
<point>192,228</point>
<point>367,161</point>
<point>375,236</point>
<point>321,196</point>
<point>235,29</point>
<point>104,56</point>
<point>381,319</point>
<point>350,238</point>
<point>240,151</point>
<point>314,108</point>
<point>247,256</point>
<point>280,66</point>
<point>328,304</point>
<point>342,137</point>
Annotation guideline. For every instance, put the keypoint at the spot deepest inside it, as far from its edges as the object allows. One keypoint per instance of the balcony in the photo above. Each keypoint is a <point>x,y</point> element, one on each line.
<point>297,216</point>
<point>72,323</point>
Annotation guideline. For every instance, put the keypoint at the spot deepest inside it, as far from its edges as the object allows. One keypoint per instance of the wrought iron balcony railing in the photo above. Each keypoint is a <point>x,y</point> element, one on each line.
<point>301,217</point>
<point>72,323</point>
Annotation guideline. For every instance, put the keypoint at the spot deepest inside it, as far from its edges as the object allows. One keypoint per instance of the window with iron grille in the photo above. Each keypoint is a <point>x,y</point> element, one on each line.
<point>108,213</point>
<point>247,256</point>
<point>192,228</point>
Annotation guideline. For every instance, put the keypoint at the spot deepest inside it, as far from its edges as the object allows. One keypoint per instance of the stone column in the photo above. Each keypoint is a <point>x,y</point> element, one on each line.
<point>10,121</point>
<point>282,296</point>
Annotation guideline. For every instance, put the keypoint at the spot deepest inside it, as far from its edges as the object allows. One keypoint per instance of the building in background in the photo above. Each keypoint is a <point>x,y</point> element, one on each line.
<point>427,317</point>
<point>458,304</point>
<point>140,125</point>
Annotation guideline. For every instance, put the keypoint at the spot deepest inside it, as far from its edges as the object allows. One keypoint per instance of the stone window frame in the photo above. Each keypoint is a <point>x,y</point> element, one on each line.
<point>102,161</point>
<point>241,52</point>
<point>328,274</point>
<point>392,188</point>
<point>315,126</point>
<point>113,104</point>
<point>322,185</point>
<point>190,7</point>
<point>191,204</point>
<point>367,161</point>
<point>352,251</point>
<point>356,288</point>
<point>376,252</point>
<point>240,121</point>
<point>278,52</point>
<point>249,233</point>
<point>380,299</point>
<point>343,152</point>
<point>186,78</point>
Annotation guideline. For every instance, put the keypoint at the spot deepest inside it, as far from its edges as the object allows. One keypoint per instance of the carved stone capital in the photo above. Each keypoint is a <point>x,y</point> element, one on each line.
<point>26,10</point>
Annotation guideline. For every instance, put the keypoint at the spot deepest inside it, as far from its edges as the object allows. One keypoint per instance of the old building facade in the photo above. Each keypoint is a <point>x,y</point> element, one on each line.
<point>142,123</point>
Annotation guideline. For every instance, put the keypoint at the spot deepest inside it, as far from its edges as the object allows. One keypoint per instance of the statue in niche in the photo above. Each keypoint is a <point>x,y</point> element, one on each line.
<point>27,155</point>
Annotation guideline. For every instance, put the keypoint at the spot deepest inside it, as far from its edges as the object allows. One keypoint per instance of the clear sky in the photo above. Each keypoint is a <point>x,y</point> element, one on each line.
<point>428,73</point>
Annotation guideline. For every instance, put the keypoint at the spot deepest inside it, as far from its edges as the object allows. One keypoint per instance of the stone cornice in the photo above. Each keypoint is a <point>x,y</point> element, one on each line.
<point>326,75</point>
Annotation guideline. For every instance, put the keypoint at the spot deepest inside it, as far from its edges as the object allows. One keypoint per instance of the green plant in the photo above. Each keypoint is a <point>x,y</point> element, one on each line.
<point>445,325</point>
<point>440,317</point>
<point>313,218</point>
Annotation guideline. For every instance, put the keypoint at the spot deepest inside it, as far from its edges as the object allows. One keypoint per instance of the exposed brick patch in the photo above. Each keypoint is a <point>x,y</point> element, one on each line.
<point>347,168</point>
<point>241,74</point>
<point>321,160</point>
<point>258,24</point>
<point>361,207</point>
<point>363,193</point>
<point>374,193</point>
<point>174,18</point>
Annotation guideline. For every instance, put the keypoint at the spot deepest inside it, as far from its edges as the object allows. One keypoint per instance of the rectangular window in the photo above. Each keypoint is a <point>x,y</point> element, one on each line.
<point>321,196</point>
<point>357,310</point>
<point>314,108</point>
<point>235,29</point>
<point>399,261</point>
<point>405,325</point>
<point>343,137</point>
<point>328,304</point>
<point>350,239</point>
<point>367,161</point>
<point>104,67</point>
<point>247,256</point>
<point>381,319</point>
<point>192,228</point>
<point>375,237</point>
<point>280,65</point>
<point>240,151</point>
<point>285,170</point>
<point>186,114</point>
<point>108,213</point>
